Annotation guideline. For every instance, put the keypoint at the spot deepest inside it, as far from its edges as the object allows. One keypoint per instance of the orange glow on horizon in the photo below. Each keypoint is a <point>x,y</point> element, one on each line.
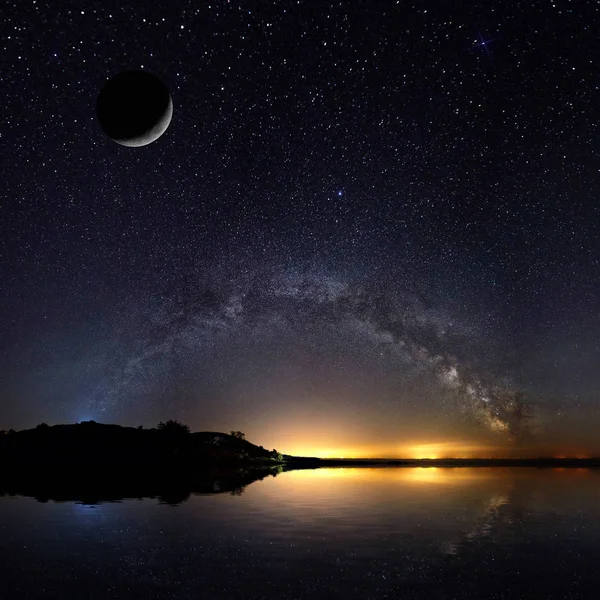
<point>322,430</point>
<point>334,442</point>
<point>437,450</point>
<point>431,451</point>
<point>317,452</point>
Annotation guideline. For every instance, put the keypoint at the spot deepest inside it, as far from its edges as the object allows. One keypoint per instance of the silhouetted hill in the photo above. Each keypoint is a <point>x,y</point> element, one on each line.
<point>91,444</point>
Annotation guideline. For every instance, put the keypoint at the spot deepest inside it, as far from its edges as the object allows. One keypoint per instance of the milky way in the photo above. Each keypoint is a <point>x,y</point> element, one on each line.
<point>421,338</point>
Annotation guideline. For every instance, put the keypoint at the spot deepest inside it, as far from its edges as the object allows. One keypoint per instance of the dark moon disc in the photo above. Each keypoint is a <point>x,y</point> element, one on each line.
<point>134,108</point>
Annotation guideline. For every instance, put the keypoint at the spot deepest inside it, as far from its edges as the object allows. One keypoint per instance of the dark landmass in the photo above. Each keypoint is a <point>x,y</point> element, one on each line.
<point>93,462</point>
<point>91,445</point>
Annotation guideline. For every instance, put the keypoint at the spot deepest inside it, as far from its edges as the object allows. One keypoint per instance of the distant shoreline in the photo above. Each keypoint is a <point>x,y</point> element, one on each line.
<point>299,462</point>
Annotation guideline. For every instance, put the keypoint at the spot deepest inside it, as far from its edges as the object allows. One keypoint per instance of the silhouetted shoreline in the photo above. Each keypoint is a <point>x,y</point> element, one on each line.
<point>173,448</point>
<point>299,462</point>
<point>94,462</point>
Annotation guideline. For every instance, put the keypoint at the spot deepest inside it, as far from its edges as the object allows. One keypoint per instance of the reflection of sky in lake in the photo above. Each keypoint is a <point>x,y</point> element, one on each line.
<point>352,533</point>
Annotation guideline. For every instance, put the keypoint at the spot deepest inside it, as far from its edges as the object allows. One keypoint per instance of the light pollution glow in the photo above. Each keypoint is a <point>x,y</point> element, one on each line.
<point>322,431</point>
<point>336,445</point>
<point>432,451</point>
<point>417,450</point>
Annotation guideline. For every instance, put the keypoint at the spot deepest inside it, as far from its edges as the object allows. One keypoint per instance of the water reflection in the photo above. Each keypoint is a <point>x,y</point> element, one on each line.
<point>98,487</point>
<point>339,533</point>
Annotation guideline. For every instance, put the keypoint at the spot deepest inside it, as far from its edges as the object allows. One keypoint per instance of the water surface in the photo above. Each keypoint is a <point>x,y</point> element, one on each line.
<point>332,533</point>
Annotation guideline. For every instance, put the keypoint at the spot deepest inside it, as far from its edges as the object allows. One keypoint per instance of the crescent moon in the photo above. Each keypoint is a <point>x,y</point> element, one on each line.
<point>153,133</point>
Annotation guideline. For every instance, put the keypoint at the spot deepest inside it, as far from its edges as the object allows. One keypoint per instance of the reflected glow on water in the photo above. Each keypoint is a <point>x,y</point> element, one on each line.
<point>347,533</point>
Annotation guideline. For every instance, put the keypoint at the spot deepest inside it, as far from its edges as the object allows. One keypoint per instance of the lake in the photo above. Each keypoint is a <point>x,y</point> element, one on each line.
<point>328,533</point>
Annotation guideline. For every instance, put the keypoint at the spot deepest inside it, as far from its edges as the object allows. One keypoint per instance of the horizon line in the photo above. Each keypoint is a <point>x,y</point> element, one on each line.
<point>396,459</point>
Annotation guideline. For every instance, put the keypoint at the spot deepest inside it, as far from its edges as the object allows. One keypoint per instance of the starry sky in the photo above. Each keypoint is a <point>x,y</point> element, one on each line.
<point>371,228</point>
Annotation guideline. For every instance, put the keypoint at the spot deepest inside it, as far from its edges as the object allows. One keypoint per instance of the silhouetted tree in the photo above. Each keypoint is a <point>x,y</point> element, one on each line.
<point>276,455</point>
<point>173,427</point>
<point>140,427</point>
<point>42,426</point>
<point>238,435</point>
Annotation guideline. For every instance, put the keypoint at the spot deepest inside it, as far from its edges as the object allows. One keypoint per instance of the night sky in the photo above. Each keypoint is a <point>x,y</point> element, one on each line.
<point>371,228</point>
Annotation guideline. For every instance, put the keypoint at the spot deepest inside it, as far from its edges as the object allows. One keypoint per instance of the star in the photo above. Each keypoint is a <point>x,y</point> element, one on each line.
<point>483,43</point>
